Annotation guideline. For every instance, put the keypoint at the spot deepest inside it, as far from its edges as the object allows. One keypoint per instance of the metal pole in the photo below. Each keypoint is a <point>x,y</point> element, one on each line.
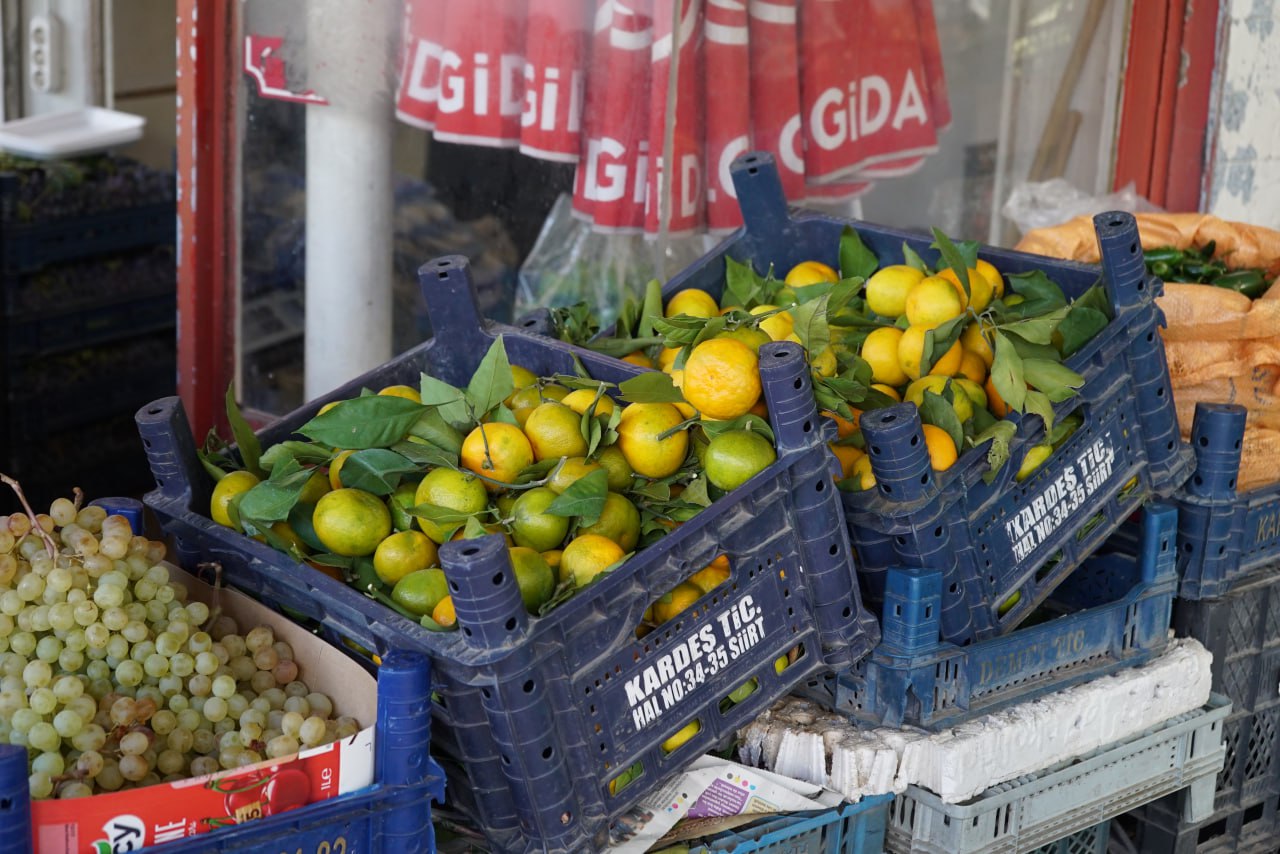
<point>349,190</point>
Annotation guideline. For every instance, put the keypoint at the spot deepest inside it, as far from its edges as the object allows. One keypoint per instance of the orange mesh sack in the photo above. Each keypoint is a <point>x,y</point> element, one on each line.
<point>1222,347</point>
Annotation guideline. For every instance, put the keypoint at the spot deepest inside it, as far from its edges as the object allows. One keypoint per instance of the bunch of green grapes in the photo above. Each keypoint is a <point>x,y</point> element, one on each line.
<point>112,678</point>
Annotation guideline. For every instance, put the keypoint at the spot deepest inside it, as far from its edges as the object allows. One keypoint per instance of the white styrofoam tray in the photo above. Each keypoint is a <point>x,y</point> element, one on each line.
<point>71,133</point>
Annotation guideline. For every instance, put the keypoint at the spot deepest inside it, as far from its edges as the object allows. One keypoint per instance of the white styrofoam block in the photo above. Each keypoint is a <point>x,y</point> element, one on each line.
<point>800,739</point>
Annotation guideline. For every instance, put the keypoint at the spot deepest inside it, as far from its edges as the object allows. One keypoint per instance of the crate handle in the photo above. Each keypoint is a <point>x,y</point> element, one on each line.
<point>455,315</point>
<point>171,452</point>
<point>1217,435</point>
<point>1159,542</point>
<point>760,195</point>
<point>1124,270</point>
<point>15,802</point>
<point>486,597</point>
<point>899,455</point>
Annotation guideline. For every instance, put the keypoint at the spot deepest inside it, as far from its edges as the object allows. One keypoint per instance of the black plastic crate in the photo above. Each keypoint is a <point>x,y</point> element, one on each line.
<point>1158,828</point>
<point>57,289</point>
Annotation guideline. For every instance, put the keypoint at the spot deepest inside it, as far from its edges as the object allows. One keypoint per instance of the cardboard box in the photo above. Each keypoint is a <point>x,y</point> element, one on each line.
<point>129,820</point>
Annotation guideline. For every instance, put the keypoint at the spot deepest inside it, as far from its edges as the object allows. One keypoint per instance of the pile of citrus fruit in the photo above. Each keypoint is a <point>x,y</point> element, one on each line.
<point>574,479</point>
<point>964,343</point>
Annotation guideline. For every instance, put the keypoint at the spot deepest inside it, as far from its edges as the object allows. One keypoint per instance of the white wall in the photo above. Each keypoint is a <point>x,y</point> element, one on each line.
<point>1244,182</point>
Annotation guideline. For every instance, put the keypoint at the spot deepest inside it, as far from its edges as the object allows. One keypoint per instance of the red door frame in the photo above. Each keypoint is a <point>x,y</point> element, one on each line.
<point>207,264</point>
<point>1162,143</point>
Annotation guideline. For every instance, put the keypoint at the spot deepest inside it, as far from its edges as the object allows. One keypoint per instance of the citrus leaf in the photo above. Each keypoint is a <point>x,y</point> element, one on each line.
<point>939,340</point>
<point>246,439</point>
<point>1064,428</point>
<point>1056,380</point>
<point>575,383</point>
<point>539,470</point>
<point>844,294</point>
<point>811,325</point>
<point>619,347</point>
<point>491,383</point>
<point>1038,403</point>
<point>503,415</point>
<point>378,421</point>
<point>1039,291</point>
<point>743,286</point>
<point>655,489</point>
<point>650,387</point>
<point>855,258</point>
<point>431,625</point>
<point>954,258</point>
<point>1038,329</point>
<point>595,434</point>
<point>584,498</point>
<point>651,309</point>
<point>999,435</point>
<point>271,500</point>
<point>1079,327</point>
<point>938,411</point>
<point>681,329</point>
<point>1006,373</point>
<point>981,420</point>
<point>629,317</point>
<point>448,519</point>
<point>809,293</point>
<point>434,392</point>
<point>450,404</point>
<point>432,428</point>
<point>913,260</point>
<point>1096,299</point>
<point>750,422</point>
<point>1028,350</point>
<point>474,529</point>
<point>302,452</point>
<point>696,493</point>
<point>339,561</point>
<point>376,470</point>
<point>710,329</point>
<point>207,461</point>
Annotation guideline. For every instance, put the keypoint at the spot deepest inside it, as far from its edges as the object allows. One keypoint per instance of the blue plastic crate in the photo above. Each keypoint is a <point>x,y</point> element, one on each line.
<point>49,332</point>
<point>1115,612</point>
<point>394,814</point>
<point>543,713</point>
<point>991,541</point>
<point>1223,535</point>
<point>1029,812</point>
<point>25,247</point>
<point>847,829</point>
<point>1158,828</point>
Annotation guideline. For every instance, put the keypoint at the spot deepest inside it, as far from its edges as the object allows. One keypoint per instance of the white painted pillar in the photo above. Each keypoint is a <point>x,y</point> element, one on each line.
<point>350,49</point>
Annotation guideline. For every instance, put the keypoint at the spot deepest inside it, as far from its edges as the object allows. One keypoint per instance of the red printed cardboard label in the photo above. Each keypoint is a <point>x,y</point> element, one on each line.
<point>727,103</point>
<point>421,62</point>
<point>555,79</point>
<point>264,61</point>
<point>775,89</point>
<point>127,821</point>
<point>612,177</point>
<point>865,90</point>
<point>481,98</point>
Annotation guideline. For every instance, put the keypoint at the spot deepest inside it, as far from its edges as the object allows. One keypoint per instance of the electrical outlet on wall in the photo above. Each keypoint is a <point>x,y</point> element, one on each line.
<point>44,53</point>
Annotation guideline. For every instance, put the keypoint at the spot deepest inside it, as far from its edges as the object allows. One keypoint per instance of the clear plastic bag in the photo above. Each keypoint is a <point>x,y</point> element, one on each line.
<point>1040,204</point>
<point>572,263</point>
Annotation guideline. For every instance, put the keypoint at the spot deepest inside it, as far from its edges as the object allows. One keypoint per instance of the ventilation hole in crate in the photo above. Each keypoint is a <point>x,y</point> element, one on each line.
<point>1197,480</point>
<point>453,587</point>
<point>915,440</point>
<point>528,686</point>
<point>937,533</point>
<point>798,384</point>
<point>548,752</point>
<point>488,695</point>
<point>471,550</point>
<point>466,631</point>
<point>603,748</point>
<point>875,449</point>
<point>1222,550</point>
<point>847,612</point>
<point>786,593</point>
<point>807,427</point>
<point>1237,444</point>
<point>820,486</point>
<point>900,540</point>
<point>146,443</point>
<point>1204,441</point>
<point>498,578</point>
<point>1231,484</point>
<point>897,610</point>
<point>1160,391</point>
<point>506,760</point>
<point>982,546</point>
<point>886,488</point>
<point>954,588</point>
<point>530,322</point>
<point>593,705</point>
<point>1151,336</point>
<point>510,624</point>
<point>833,549</point>
<point>1142,284</point>
<point>924,479</point>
